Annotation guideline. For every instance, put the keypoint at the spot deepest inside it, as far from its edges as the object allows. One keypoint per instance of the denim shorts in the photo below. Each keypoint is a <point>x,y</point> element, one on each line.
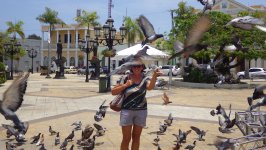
<point>133,117</point>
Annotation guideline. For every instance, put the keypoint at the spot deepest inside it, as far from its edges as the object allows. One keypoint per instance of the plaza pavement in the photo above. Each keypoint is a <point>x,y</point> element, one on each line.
<point>60,102</point>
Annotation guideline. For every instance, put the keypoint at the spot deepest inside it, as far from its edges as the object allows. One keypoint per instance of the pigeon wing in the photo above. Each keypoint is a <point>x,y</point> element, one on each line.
<point>98,127</point>
<point>231,124</point>
<point>13,96</point>
<point>121,69</point>
<point>197,130</point>
<point>178,46</point>
<point>197,31</point>
<point>146,26</point>
<point>221,123</point>
<point>261,28</point>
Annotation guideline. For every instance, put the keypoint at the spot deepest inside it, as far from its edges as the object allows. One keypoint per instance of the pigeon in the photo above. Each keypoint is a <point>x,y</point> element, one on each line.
<point>261,28</point>
<point>182,136</point>
<point>177,146</point>
<point>100,130</point>
<point>10,146</point>
<point>258,93</point>
<point>77,125</point>
<point>41,140</point>
<point>246,22</point>
<point>91,143</point>
<point>132,60</point>
<point>159,147</point>
<point>261,102</point>
<point>52,132</point>
<point>57,139</point>
<point>85,134</point>
<point>169,120</point>
<point>42,147</point>
<point>70,136</point>
<point>12,100</point>
<point>10,130</point>
<point>72,147</point>
<point>226,125</point>
<point>223,145</point>
<point>35,138</point>
<point>156,140</point>
<point>8,134</point>
<point>148,30</point>
<point>191,43</point>
<point>162,128</point>
<point>200,133</point>
<point>191,147</point>
<point>100,114</point>
<point>208,4</point>
<point>165,99</point>
<point>64,144</point>
<point>161,83</point>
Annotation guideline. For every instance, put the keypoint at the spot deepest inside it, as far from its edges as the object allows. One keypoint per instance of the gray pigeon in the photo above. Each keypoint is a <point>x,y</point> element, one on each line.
<point>191,42</point>
<point>52,132</point>
<point>223,145</point>
<point>258,93</point>
<point>132,60</point>
<point>208,4</point>
<point>148,30</point>
<point>156,140</point>
<point>12,100</point>
<point>42,147</point>
<point>169,120</point>
<point>162,128</point>
<point>191,147</point>
<point>200,132</point>
<point>71,136</point>
<point>246,22</point>
<point>100,114</point>
<point>100,129</point>
<point>261,102</point>
<point>182,136</point>
<point>64,144</point>
<point>57,139</point>
<point>10,146</point>
<point>35,138</point>
<point>77,125</point>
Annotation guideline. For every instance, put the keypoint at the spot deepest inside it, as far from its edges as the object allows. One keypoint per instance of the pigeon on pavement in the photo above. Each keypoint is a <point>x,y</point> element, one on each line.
<point>41,140</point>
<point>148,30</point>
<point>169,120</point>
<point>35,138</point>
<point>64,144</point>
<point>10,146</point>
<point>100,129</point>
<point>181,136</point>
<point>52,132</point>
<point>77,125</point>
<point>200,132</point>
<point>165,99</point>
<point>57,139</point>
<point>191,147</point>
<point>71,136</point>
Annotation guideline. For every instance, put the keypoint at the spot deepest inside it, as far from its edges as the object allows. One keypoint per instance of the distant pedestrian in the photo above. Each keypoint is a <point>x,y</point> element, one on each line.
<point>37,69</point>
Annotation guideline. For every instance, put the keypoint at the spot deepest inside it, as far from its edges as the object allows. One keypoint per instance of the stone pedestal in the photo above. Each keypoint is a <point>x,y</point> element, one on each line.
<point>60,74</point>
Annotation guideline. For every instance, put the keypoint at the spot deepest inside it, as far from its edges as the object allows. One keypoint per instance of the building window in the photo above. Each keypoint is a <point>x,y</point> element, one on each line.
<point>66,38</point>
<point>72,61</point>
<point>59,37</point>
<point>224,5</point>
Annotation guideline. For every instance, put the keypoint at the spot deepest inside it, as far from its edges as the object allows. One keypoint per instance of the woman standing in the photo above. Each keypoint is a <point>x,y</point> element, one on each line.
<point>134,107</point>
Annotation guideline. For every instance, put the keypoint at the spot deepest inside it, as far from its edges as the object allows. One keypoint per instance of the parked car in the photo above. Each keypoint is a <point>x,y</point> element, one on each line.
<point>70,70</point>
<point>165,70</point>
<point>82,70</point>
<point>253,73</point>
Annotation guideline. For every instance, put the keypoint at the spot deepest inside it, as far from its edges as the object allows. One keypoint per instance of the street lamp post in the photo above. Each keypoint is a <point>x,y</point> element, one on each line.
<point>12,48</point>
<point>87,46</point>
<point>109,39</point>
<point>32,53</point>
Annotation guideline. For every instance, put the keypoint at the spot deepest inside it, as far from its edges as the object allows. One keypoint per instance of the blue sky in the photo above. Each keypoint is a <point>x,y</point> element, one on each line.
<point>157,11</point>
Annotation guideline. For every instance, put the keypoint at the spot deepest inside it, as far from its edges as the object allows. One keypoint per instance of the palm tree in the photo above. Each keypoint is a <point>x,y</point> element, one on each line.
<point>87,19</point>
<point>49,17</point>
<point>15,29</point>
<point>133,31</point>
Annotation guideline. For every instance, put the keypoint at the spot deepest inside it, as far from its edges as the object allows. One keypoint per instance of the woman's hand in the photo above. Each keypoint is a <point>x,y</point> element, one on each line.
<point>128,83</point>
<point>157,73</point>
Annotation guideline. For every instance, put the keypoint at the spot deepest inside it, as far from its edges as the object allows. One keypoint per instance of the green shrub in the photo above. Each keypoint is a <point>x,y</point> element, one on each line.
<point>199,76</point>
<point>2,73</point>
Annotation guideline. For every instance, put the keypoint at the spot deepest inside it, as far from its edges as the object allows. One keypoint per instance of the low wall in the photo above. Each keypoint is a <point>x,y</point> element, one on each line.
<point>211,86</point>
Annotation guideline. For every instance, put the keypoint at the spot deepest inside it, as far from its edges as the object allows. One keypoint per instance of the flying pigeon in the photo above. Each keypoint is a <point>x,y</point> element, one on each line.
<point>181,136</point>
<point>77,125</point>
<point>246,22</point>
<point>100,114</point>
<point>12,100</point>
<point>200,132</point>
<point>258,93</point>
<point>148,30</point>
<point>261,28</point>
<point>223,145</point>
<point>191,147</point>
<point>41,140</point>
<point>165,99</point>
<point>57,139</point>
<point>100,129</point>
<point>191,42</point>
<point>161,83</point>
<point>169,120</point>
<point>52,132</point>
<point>70,136</point>
<point>35,138</point>
<point>208,4</point>
<point>132,60</point>
<point>261,102</point>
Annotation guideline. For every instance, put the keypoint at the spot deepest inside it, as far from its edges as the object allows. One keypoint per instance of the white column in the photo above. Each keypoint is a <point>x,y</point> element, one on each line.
<point>42,48</point>
<point>68,39</point>
<point>85,33</point>
<point>68,59</point>
<point>76,39</point>
<point>57,36</point>
<point>76,51</point>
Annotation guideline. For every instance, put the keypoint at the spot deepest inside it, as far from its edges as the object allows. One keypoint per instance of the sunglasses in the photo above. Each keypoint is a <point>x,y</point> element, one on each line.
<point>137,66</point>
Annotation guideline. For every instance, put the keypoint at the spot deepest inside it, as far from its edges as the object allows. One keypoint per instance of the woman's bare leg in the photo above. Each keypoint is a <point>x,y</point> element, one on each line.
<point>136,137</point>
<point>126,130</point>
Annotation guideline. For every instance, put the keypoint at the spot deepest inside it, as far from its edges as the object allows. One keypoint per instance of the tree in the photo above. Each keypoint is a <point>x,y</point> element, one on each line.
<point>88,19</point>
<point>34,36</point>
<point>133,31</point>
<point>49,17</point>
<point>15,29</point>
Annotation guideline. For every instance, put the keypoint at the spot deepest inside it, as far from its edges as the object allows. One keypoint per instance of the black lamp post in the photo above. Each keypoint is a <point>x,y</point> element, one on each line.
<point>32,53</point>
<point>12,48</point>
<point>109,39</point>
<point>87,46</point>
